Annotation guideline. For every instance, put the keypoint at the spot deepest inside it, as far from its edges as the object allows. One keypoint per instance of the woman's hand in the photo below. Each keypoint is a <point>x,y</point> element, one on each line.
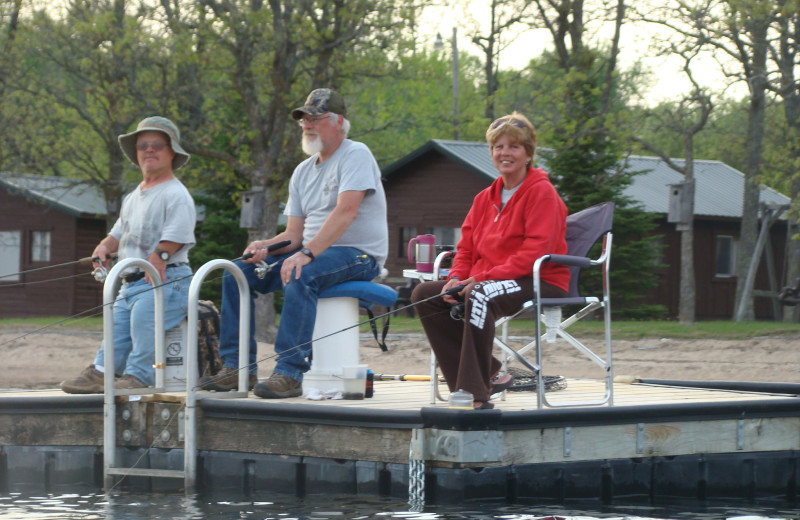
<point>455,282</point>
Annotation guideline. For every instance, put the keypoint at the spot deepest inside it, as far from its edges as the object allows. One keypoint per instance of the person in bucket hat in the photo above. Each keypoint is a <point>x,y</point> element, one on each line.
<point>156,223</point>
<point>337,232</point>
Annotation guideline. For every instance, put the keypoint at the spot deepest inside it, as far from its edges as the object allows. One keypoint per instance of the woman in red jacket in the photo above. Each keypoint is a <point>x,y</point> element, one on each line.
<point>517,219</point>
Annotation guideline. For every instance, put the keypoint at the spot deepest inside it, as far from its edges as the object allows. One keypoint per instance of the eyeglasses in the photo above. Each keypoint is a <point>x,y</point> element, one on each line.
<point>507,120</point>
<point>157,146</point>
<point>313,121</point>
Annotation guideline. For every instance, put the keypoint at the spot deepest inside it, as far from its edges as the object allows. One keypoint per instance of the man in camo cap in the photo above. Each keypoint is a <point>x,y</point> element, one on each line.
<point>338,232</point>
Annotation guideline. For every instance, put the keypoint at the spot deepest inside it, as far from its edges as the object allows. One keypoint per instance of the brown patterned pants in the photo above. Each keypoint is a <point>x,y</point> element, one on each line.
<point>463,348</point>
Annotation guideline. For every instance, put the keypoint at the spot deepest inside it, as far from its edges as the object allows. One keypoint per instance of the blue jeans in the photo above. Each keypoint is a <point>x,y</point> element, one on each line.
<point>134,322</point>
<point>293,342</point>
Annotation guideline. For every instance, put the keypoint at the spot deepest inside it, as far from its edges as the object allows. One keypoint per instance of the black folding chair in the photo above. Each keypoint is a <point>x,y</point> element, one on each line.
<point>584,229</point>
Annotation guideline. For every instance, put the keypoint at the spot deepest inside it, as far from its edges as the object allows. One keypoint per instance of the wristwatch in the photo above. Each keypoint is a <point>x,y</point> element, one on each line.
<point>164,255</point>
<point>306,251</point>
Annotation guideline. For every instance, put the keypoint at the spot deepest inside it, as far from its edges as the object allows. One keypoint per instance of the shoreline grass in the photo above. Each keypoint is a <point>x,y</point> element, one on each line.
<point>623,330</point>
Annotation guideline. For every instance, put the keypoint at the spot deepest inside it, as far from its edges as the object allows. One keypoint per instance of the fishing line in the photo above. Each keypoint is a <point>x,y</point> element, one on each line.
<point>271,247</point>
<point>23,284</point>
<point>452,291</point>
<point>82,260</point>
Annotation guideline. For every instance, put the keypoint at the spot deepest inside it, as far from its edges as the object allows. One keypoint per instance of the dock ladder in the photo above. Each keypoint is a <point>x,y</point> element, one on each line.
<point>110,289</point>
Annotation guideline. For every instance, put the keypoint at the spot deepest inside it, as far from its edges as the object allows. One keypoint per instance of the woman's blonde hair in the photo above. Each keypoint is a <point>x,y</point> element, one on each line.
<point>517,128</point>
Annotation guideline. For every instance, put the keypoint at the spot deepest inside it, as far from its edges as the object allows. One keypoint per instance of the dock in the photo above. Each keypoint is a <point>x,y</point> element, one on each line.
<point>660,440</point>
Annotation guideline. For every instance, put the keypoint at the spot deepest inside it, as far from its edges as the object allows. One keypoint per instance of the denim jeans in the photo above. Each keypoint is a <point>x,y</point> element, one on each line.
<point>293,342</point>
<point>134,322</point>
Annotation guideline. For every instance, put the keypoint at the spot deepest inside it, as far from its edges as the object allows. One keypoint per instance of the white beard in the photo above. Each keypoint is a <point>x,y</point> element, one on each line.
<point>312,144</point>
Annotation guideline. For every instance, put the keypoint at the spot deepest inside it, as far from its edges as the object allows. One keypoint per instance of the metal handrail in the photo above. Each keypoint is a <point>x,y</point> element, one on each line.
<point>192,391</point>
<point>110,289</point>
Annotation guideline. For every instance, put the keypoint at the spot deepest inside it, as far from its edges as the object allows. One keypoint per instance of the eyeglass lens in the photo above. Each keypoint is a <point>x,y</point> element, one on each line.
<point>311,120</point>
<point>155,145</point>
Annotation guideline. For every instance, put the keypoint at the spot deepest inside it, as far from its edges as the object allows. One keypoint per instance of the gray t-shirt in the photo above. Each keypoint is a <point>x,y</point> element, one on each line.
<point>163,212</point>
<point>314,188</point>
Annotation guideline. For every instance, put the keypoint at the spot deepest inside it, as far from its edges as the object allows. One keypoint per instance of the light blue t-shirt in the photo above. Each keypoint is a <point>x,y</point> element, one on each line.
<point>314,188</point>
<point>164,212</point>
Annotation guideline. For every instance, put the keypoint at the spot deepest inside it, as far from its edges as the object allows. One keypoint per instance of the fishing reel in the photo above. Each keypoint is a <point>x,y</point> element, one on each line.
<point>457,311</point>
<point>261,269</point>
<point>100,274</point>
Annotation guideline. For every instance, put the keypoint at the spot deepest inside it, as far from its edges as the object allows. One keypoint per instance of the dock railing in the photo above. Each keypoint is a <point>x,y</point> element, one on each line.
<point>193,393</point>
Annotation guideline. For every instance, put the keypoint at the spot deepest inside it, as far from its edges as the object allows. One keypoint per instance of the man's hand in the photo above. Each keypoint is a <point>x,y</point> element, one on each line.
<point>160,265</point>
<point>258,251</point>
<point>294,264</point>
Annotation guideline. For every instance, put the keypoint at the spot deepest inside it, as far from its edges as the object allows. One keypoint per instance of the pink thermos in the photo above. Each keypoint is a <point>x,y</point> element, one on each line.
<point>425,252</point>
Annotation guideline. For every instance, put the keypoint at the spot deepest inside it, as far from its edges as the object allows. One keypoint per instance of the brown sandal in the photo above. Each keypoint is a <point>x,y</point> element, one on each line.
<point>477,405</point>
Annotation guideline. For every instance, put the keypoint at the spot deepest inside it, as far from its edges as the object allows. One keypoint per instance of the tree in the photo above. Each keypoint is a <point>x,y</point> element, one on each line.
<point>260,60</point>
<point>684,121</point>
<point>738,30</point>
<point>503,15</point>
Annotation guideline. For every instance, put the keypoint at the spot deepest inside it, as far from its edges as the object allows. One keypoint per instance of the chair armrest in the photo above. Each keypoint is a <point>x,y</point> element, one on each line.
<point>438,262</point>
<point>579,261</point>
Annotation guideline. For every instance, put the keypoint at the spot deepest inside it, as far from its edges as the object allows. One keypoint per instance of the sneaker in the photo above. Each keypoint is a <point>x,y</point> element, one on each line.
<point>90,381</point>
<point>128,382</point>
<point>278,386</point>
<point>226,380</point>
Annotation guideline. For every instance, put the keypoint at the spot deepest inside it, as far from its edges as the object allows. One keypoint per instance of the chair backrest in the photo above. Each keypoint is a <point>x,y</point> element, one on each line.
<point>584,229</point>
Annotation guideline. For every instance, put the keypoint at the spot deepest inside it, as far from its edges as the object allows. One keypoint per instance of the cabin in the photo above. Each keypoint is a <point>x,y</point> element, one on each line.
<point>46,225</point>
<point>430,190</point>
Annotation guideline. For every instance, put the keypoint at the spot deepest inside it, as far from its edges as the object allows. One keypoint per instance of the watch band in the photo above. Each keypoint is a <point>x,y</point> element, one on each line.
<point>306,251</point>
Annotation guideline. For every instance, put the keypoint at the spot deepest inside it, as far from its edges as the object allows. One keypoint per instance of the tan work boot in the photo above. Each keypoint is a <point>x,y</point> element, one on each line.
<point>278,386</point>
<point>128,382</point>
<point>226,380</point>
<point>90,381</point>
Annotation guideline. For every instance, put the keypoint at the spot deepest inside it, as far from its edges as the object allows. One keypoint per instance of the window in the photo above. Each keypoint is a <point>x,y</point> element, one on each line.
<point>446,236</point>
<point>10,244</point>
<point>726,256</point>
<point>406,234</point>
<point>40,246</point>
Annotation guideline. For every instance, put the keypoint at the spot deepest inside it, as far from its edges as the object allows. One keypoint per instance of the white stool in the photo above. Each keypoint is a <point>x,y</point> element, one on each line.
<point>336,335</point>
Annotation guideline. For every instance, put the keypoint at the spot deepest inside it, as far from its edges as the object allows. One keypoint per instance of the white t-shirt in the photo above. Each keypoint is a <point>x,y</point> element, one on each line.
<point>163,212</point>
<point>314,188</point>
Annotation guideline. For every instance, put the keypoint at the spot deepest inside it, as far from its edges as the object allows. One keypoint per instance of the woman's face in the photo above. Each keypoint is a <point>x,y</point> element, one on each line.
<point>509,157</point>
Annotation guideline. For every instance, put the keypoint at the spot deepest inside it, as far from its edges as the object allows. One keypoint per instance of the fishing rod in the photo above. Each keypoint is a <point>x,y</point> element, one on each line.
<point>54,266</point>
<point>450,292</point>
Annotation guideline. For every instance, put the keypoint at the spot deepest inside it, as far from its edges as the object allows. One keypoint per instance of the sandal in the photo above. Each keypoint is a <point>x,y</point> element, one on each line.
<point>502,383</point>
<point>477,405</point>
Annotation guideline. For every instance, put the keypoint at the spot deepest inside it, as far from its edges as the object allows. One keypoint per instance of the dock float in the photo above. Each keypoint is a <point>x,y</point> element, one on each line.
<point>734,441</point>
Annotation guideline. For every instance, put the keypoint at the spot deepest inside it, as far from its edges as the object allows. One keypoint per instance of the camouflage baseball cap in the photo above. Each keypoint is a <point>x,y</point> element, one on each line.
<point>160,124</point>
<point>321,101</point>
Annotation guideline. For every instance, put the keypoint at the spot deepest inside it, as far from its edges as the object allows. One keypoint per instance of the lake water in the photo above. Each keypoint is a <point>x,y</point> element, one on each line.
<point>135,506</point>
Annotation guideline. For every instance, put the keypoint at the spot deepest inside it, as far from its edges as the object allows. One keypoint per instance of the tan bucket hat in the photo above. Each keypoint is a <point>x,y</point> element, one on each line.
<point>160,124</point>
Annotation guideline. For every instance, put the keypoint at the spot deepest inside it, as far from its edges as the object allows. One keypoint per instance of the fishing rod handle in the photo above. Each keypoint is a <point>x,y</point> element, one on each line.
<point>271,247</point>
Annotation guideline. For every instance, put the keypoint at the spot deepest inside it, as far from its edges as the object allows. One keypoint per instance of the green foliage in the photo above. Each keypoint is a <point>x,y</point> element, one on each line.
<point>218,235</point>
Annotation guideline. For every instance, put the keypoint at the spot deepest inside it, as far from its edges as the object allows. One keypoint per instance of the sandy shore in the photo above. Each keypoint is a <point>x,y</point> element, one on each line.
<point>42,360</point>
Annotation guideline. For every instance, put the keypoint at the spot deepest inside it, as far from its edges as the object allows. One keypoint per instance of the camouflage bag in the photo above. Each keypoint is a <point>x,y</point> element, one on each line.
<point>208,359</point>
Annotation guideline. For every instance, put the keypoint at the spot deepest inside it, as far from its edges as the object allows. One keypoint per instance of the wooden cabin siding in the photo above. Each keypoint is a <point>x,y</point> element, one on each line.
<point>715,295</point>
<point>49,292</point>
<point>435,191</point>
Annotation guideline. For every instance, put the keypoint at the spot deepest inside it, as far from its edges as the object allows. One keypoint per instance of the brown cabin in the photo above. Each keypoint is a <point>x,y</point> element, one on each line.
<point>44,222</point>
<point>431,189</point>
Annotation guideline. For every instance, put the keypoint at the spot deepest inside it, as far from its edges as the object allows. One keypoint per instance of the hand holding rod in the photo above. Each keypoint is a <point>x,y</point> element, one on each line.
<point>271,247</point>
<point>262,268</point>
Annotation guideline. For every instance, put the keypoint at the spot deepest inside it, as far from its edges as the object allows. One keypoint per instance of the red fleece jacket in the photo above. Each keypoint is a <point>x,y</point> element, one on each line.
<point>503,244</point>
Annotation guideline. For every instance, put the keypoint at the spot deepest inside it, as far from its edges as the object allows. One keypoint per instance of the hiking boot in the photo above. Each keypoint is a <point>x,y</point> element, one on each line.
<point>128,382</point>
<point>278,386</point>
<point>90,381</point>
<point>226,380</point>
